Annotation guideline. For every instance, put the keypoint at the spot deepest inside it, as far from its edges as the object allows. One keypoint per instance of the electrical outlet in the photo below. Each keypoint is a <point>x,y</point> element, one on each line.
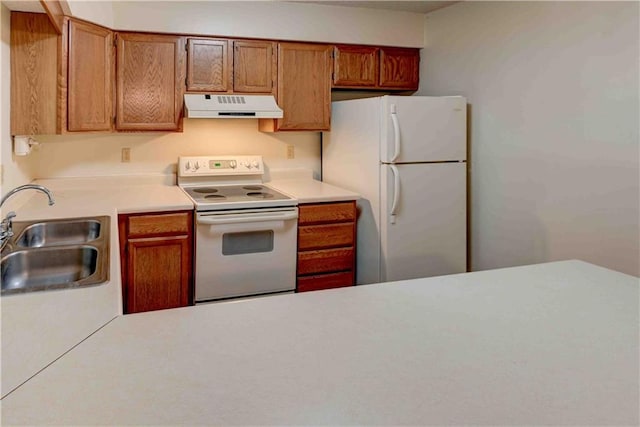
<point>291,153</point>
<point>126,155</point>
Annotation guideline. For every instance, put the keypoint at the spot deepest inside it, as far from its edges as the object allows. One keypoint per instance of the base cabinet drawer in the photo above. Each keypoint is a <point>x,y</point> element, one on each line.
<point>325,260</point>
<point>325,281</point>
<point>326,236</point>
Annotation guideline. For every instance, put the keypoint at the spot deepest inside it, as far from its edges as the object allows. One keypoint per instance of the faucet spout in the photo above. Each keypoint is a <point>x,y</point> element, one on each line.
<point>41,188</point>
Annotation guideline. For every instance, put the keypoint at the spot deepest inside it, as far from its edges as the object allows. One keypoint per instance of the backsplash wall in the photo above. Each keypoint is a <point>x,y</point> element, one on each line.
<point>157,153</point>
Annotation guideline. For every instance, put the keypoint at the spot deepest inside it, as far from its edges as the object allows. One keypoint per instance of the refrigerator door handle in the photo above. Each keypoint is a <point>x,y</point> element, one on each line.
<point>396,193</point>
<point>396,133</point>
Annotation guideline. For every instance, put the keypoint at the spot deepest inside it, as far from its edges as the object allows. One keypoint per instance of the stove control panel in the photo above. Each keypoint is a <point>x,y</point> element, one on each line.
<point>220,165</point>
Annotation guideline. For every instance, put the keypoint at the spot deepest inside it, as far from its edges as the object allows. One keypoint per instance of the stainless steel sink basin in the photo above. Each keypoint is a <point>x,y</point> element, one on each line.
<point>42,269</point>
<point>56,254</point>
<point>59,232</point>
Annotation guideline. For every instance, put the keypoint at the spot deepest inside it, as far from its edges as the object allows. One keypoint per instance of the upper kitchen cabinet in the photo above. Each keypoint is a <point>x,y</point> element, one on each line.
<point>254,66</point>
<point>355,66</point>
<point>90,77</point>
<point>304,88</point>
<point>208,65</point>
<point>212,68</point>
<point>399,68</point>
<point>379,68</point>
<point>37,103</point>
<point>150,81</point>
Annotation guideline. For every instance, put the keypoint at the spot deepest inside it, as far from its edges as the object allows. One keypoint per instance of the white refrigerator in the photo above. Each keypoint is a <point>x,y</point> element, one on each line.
<point>407,157</point>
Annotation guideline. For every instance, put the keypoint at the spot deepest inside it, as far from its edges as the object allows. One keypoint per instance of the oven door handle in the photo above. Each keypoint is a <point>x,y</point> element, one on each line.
<point>247,217</point>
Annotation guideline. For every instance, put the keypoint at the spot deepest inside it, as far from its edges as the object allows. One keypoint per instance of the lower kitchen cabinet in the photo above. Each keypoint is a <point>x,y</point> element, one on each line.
<point>156,260</point>
<point>326,246</point>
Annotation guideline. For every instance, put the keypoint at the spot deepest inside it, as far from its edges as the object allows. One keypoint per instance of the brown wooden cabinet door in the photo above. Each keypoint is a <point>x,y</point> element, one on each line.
<point>91,77</point>
<point>304,87</point>
<point>35,98</point>
<point>254,66</point>
<point>150,81</point>
<point>208,65</point>
<point>157,273</point>
<point>355,66</point>
<point>399,68</point>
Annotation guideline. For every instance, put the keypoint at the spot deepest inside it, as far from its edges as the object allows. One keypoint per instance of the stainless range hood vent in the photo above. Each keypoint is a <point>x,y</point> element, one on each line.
<point>208,106</point>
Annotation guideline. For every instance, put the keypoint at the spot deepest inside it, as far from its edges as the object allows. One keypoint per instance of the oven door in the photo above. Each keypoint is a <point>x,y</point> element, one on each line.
<point>249,252</point>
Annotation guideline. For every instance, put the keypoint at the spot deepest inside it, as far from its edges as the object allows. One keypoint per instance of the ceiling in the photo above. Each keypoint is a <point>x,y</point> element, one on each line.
<point>416,6</point>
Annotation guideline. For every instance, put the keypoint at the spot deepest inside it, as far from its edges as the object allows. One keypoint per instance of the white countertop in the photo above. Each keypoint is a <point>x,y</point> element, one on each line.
<point>554,343</point>
<point>38,327</point>
<point>312,191</point>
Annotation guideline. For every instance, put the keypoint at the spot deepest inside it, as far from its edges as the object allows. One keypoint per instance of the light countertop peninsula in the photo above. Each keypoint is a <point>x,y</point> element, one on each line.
<point>546,344</point>
<point>38,327</point>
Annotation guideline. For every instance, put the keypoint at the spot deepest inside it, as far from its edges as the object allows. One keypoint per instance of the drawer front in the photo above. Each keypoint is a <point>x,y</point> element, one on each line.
<point>325,236</point>
<point>160,224</point>
<point>325,281</point>
<point>327,260</point>
<point>331,212</point>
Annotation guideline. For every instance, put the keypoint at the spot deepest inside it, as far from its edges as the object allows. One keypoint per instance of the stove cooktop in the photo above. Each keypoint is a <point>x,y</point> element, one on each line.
<point>242,196</point>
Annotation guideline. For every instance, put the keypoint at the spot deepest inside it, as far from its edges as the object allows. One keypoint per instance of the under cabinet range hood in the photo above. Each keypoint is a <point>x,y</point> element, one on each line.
<point>208,106</point>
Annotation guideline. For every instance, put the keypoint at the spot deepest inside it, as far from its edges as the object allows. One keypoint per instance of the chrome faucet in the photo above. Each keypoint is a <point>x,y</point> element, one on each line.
<point>6,226</point>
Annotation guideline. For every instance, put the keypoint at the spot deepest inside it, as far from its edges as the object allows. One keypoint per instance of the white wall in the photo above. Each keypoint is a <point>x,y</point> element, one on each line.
<point>273,19</point>
<point>15,170</point>
<point>157,153</point>
<point>99,12</point>
<point>553,91</point>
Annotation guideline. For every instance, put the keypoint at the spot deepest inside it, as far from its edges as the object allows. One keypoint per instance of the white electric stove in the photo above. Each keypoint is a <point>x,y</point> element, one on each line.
<point>245,232</point>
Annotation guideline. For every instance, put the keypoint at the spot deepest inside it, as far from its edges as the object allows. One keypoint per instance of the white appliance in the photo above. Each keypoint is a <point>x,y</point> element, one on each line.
<point>211,106</point>
<point>245,231</point>
<point>406,156</point>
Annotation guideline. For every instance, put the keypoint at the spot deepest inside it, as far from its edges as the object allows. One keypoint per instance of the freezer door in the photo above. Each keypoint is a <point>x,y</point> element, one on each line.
<point>427,236</point>
<point>423,129</point>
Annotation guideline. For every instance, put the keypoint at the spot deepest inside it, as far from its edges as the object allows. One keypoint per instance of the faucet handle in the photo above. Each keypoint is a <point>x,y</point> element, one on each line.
<point>10,216</point>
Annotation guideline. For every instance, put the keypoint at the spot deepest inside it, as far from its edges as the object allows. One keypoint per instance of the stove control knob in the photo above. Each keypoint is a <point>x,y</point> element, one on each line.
<point>256,164</point>
<point>233,164</point>
<point>187,166</point>
<point>246,165</point>
<point>196,166</point>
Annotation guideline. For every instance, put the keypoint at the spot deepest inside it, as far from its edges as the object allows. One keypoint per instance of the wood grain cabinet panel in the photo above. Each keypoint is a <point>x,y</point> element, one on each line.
<point>158,268</point>
<point>254,66</point>
<point>325,260</point>
<point>318,214</point>
<point>399,68</point>
<point>35,73</point>
<point>208,65</point>
<point>91,77</point>
<point>325,235</point>
<point>159,224</point>
<point>304,88</point>
<point>355,66</point>
<point>325,281</point>
<point>150,81</point>
<point>156,260</point>
<point>326,245</point>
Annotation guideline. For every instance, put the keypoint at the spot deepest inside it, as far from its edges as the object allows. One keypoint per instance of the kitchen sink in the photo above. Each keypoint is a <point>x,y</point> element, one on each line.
<point>56,254</point>
<point>59,232</point>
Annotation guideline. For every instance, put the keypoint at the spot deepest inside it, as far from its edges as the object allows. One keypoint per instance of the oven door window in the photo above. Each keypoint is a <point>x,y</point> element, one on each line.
<point>248,242</point>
